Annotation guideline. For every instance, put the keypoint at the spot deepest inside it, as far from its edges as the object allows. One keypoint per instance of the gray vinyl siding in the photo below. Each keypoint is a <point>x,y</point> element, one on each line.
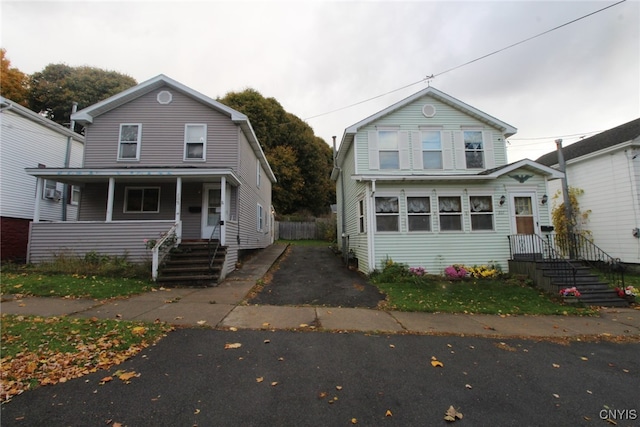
<point>162,140</point>
<point>77,238</point>
<point>450,121</point>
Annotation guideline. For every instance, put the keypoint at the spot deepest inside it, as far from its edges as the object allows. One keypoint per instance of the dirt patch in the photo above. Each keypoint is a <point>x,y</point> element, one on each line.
<point>314,275</point>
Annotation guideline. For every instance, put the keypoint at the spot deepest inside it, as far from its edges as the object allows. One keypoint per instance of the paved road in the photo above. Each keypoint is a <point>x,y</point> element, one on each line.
<point>328,379</point>
<point>314,275</point>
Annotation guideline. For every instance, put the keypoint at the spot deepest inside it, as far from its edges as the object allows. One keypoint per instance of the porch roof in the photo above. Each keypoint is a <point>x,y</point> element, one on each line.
<point>76,176</point>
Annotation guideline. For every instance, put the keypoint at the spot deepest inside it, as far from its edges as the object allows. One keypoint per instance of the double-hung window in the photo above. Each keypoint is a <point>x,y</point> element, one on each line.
<point>419,213</point>
<point>481,210</point>
<point>473,149</point>
<point>431,149</point>
<point>387,214</point>
<point>450,213</point>
<point>74,198</point>
<point>142,200</point>
<point>388,149</point>
<point>129,142</point>
<point>195,142</point>
<point>361,223</point>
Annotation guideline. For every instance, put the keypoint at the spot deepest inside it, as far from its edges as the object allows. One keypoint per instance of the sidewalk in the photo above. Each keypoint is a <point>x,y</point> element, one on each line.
<point>218,307</point>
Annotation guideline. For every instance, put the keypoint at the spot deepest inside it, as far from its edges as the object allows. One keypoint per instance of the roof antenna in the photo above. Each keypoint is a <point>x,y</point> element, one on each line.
<point>428,79</point>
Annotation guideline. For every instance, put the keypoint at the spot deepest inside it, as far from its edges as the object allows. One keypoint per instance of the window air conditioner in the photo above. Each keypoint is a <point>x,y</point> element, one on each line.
<point>49,193</point>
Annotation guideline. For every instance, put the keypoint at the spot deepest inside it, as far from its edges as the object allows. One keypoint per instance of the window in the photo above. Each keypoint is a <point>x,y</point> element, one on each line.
<point>129,146</point>
<point>195,142</point>
<point>419,213</point>
<point>388,149</point>
<point>49,190</point>
<point>361,226</point>
<point>387,214</point>
<point>450,213</point>
<point>431,150</point>
<point>473,149</point>
<point>258,173</point>
<point>481,209</point>
<point>142,199</point>
<point>74,198</point>
<point>260,217</point>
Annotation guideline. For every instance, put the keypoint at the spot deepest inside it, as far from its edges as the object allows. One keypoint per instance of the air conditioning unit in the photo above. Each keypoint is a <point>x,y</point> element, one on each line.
<point>49,193</point>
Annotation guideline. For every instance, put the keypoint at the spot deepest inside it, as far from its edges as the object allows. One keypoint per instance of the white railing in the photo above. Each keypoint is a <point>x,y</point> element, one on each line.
<point>168,241</point>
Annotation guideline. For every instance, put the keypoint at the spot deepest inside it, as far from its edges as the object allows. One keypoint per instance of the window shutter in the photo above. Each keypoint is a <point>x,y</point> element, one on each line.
<point>458,146</point>
<point>447,151</point>
<point>489,154</point>
<point>374,159</point>
<point>416,145</point>
<point>403,145</point>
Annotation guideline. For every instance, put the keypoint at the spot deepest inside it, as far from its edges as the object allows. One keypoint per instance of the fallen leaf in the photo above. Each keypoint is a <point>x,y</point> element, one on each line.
<point>557,396</point>
<point>338,387</point>
<point>139,330</point>
<point>126,376</point>
<point>267,341</point>
<point>233,329</point>
<point>265,324</point>
<point>354,421</point>
<point>201,322</point>
<point>468,386</point>
<point>106,380</point>
<point>452,414</point>
<point>303,325</point>
<point>584,358</point>
<point>555,365</point>
<point>196,412</point>
<point>322,395</point>
<point>259,379</point>
<point>435,362</point>
<point>228,345</point>
<point>388,413</point>
<point>392,346</point>
<point>274,383</point>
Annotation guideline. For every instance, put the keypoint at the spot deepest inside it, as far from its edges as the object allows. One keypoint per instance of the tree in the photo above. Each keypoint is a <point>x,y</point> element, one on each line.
<point>301,161</point>
<point>14,84</point>
<point>577,223</point>
<point>54,89</point>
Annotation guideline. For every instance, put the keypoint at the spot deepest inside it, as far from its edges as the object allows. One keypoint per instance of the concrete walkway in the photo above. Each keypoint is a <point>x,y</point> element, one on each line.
<point>219,307</point>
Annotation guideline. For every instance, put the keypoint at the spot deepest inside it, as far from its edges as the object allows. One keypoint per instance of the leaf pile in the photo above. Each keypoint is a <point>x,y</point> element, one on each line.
<point>42,351</point>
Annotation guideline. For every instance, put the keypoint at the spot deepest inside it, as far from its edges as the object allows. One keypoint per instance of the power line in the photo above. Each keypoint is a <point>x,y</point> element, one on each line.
<point>427,78</point>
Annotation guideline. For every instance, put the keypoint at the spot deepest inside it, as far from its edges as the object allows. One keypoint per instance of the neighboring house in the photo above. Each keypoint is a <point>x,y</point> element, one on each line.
<point>162,159</point>
<point>30,140</point>
<point>607,167</point>
<point>425,182</point>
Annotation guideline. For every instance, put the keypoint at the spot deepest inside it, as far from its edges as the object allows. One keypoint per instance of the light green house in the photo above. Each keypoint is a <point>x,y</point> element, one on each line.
<point>426,182</point>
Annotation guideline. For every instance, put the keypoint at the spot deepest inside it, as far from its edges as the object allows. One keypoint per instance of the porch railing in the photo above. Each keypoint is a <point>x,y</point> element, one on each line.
<point>531,247</point>
<point>578,247</point>
<point>168,241</point>
<point>213,245</point>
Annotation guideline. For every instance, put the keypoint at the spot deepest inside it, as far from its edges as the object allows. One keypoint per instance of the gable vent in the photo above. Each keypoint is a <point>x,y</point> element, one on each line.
<point>164,97</point>
<point>429,110</point>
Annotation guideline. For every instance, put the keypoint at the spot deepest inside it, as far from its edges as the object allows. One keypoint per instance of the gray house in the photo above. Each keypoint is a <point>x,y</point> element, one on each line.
<point>163,166</point>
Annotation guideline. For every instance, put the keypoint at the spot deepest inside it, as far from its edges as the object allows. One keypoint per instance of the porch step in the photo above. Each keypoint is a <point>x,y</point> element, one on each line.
<point>188,265</point>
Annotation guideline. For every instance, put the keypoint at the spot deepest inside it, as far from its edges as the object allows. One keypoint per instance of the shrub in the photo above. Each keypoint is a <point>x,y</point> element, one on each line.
<point>455,271</point>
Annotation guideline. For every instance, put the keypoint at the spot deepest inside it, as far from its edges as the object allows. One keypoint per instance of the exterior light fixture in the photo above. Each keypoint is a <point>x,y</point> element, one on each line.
<point>544,199</point>
<point>502,200</point>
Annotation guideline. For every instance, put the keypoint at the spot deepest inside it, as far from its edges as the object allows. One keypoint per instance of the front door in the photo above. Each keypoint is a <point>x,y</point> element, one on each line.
<point>211,211</point>
<point>524,214</point>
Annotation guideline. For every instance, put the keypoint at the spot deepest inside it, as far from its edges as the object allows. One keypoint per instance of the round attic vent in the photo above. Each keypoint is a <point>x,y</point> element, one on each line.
<point>165,97</point>
<point>429,110</point>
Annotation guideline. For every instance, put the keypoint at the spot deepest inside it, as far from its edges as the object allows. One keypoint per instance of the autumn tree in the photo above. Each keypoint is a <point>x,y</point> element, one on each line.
<point>14,84</point>
<point>301,161</point>
<point>54,89</point>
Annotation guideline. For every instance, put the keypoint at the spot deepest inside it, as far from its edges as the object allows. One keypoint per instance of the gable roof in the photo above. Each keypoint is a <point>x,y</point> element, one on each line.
<point>609,138</point>
<point>87,115</point>
<point>349,133</point>
<point>8,105</point>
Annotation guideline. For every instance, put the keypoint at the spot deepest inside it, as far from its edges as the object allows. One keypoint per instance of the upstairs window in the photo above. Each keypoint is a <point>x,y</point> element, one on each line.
<point>450,213</point>
<point>431,149</point>
<point>142,199</point>
<point>129,145</point>
<point>419,213</point>
<point>388,149</point>
<point>195,142</point>
<point>387,216</point>
<point>473,149</point>
<point>481,209</point>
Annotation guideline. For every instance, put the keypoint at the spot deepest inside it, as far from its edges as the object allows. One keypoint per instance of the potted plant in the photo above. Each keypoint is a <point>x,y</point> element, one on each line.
<point>629,293</point>
<point>570,295</point>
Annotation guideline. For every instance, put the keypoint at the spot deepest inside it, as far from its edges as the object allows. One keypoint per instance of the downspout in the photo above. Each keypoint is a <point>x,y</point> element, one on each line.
<point>343,234</point>
<point>67,161</point>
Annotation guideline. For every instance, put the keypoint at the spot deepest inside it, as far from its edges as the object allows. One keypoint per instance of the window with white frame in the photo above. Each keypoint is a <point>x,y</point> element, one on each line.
<point>49,190</point>
<point>195,142</point>
<point>258,173</point>
<point>387,214</point>
<point>361,223</point>
<point>473,149</point>
<point>260,217</point>
<point>419,213</point>
<point>431,149</point>
<point>129,142</point>
<point>74,198</point>
<point>142,200</point>
<point>450,213</point>
<point>481,210</point>
<point>388,150</point>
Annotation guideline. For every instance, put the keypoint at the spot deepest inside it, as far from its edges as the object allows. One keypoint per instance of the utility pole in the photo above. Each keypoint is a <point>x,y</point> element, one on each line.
<point>568,212</point>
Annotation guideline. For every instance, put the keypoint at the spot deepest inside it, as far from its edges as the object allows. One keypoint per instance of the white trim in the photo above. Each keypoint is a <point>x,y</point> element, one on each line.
<point>522,192</point>
<point>260,218</point>
<point>143,188</point>
<point>138,142</point>
<point>205,228</point>
<point>186,143</point>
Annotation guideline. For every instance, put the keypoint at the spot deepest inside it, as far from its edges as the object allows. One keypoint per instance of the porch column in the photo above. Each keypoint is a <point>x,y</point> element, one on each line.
<point>223,209</point>
<point>178,208</point>
<point>36,205</point>
<point>110,194</point>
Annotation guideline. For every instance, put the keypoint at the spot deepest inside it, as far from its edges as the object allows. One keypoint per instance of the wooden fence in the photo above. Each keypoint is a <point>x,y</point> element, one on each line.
<point>308,230</point>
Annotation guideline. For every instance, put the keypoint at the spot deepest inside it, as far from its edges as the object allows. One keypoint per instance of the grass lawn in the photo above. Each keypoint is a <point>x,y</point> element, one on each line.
<point>40,351</point>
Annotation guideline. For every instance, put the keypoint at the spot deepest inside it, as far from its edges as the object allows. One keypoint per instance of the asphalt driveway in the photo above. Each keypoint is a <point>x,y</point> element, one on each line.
<point>314,275</point>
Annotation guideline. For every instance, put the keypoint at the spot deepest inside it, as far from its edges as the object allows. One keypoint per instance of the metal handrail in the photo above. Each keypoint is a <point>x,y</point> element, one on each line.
<point>156,256</point>
<point>213,251</point>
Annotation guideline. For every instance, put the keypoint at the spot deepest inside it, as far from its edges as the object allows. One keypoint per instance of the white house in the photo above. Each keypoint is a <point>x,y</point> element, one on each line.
<point>607,167</point>
<point>29,140</point>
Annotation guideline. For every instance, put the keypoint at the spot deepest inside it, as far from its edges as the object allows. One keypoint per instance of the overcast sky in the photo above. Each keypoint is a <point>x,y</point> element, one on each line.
<point>319,56</point>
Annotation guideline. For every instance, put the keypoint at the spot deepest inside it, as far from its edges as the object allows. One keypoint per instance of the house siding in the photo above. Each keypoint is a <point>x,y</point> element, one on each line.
<point>449,120</point>
<point>162,140</point>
